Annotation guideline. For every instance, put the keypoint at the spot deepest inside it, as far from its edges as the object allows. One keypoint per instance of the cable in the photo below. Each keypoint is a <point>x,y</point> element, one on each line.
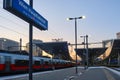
<point>11,30</point>
<point>8,14</point>
<point>52,33</point>
<point>11,20</point>
<point>22,25</point>
<point>15,23</point>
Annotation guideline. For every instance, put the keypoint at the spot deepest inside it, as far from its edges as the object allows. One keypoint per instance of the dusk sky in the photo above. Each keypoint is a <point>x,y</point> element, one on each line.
<point>102,20</point>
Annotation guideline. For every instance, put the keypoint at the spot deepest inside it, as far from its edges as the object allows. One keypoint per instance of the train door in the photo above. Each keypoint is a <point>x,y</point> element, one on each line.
<point>2,62</point>
<point>7,63</point>
<point>42,63</point>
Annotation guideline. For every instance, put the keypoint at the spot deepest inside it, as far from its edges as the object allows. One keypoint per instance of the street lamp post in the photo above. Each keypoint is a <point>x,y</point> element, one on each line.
<point>87,51</point>
<point>20,45</point>
<point>82,17</point>
<point>84,52</point>
<point>83,40</point>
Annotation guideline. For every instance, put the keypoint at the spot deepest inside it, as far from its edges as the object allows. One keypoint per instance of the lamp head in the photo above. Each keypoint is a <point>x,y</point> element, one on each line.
<point>69,18</point>
<point>82,17</point>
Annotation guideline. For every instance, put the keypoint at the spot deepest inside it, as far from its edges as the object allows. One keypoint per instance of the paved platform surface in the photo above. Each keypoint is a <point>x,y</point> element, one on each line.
<point>92,73</point>
<point>98,74</point>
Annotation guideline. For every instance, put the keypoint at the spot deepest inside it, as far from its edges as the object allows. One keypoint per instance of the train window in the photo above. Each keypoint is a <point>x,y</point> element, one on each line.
<point>37,63</point>
<point>53,62</point>
<point>50,62</point>
<point>21,62</point>
<point>0,59</point>
<point>42,61</point>
<point>46,62</point>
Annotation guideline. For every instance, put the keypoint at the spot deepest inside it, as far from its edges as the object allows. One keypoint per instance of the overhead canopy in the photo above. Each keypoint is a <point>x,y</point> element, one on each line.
<point>55,48</point>
<point>96,52</point>
<point>92,51</point>
<point>115,49</point>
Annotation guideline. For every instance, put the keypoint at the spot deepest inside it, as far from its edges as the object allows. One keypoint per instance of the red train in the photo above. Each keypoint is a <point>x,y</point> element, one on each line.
<point>15,63</point>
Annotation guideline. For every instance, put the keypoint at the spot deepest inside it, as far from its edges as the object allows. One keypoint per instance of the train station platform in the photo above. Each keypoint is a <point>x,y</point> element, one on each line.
<point>99,73</point>
<point>92,73</point>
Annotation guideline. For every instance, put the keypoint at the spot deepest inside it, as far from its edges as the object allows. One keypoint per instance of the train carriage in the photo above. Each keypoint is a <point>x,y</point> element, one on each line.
<point>47,65</point>
<point>17,62</point>
<point>5,62</point>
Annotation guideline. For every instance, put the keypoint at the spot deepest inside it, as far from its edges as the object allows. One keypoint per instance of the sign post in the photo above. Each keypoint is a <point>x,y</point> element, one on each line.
<point>26,12</point>
<point>30,46</point>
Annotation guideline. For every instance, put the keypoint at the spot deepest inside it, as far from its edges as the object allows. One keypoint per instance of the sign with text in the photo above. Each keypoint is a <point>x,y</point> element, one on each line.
<point>21,9</point>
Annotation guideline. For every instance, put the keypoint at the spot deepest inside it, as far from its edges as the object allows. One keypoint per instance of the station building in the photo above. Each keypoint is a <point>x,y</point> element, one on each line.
<point>9,45</point>
<point>37,51</point>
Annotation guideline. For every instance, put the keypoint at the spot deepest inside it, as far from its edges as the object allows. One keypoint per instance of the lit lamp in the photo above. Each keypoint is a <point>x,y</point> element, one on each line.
<point>75,18</point>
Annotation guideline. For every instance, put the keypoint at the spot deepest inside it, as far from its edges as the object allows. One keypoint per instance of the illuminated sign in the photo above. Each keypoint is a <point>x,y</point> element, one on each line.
<point>21,9</point>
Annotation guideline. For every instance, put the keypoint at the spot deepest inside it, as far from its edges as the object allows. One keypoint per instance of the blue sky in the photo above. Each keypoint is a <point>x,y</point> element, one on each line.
<point>101,23</point>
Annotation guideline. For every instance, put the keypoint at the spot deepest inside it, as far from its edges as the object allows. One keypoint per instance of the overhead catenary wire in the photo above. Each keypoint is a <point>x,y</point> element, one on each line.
<point>12,30</point>
<point>52,33</point>
<point>17,24</point>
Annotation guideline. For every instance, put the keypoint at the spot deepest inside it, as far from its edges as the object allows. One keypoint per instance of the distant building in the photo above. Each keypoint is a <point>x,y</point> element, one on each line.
<point>8,45</point>
<point>37,51</point>
<point>118,35</point>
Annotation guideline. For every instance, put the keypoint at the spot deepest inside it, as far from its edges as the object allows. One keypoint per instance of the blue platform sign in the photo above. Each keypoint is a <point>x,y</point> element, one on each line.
<point>21,9</point>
